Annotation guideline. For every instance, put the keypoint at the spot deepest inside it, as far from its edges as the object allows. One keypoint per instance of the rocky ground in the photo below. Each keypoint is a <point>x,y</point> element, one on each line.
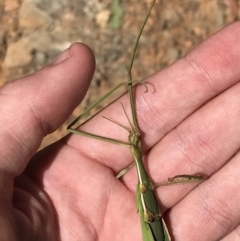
<point>33,32</point>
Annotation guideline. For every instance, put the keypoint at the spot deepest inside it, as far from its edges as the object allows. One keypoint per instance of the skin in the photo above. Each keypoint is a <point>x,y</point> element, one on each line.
<point>190,124</point>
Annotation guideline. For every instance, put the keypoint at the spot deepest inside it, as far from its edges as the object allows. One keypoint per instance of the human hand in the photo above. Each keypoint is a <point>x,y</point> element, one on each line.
<point>68,191</point>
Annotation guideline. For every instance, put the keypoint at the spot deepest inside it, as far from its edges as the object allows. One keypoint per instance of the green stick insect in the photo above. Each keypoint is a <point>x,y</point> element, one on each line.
<point>152,223</point>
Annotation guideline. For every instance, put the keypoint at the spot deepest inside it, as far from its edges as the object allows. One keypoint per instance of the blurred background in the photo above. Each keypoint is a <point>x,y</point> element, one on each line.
<point>34,32</point>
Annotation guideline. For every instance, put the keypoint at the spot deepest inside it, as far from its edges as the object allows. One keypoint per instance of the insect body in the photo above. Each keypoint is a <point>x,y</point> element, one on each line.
<point>153,225</point>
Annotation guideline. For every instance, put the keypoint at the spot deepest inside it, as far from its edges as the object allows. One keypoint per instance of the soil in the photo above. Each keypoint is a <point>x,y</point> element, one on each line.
<point>34,32</point>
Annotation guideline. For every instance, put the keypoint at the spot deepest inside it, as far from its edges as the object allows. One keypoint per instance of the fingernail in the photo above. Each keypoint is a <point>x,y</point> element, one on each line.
<point>61,57</point>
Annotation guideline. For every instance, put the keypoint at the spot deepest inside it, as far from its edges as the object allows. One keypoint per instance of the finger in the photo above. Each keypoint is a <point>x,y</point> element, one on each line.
<point>212,211</point>
<point>180,89</point>
<point>203,143</point>
<point>233,236</point>
<point>38,104</point>
<point>191,82</point>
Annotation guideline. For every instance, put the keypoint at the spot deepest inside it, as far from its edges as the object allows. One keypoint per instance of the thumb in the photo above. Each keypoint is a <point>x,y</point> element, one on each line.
<point>36,105</point>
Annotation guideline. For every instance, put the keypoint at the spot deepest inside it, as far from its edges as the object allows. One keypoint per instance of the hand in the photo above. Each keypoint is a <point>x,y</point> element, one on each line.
<point>68,191</point>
